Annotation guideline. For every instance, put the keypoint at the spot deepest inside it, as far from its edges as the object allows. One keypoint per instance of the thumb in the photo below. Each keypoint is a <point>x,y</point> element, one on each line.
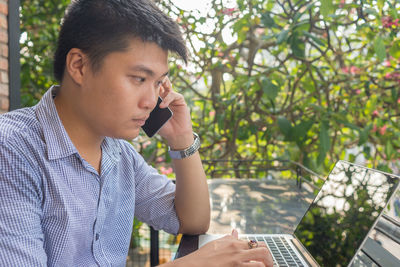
<point>235,233</point>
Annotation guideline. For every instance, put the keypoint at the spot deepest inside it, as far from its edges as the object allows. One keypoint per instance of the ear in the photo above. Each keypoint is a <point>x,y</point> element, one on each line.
<point>76,65</point>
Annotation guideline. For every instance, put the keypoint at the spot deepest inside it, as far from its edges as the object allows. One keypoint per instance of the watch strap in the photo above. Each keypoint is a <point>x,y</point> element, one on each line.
<point>180,154</point>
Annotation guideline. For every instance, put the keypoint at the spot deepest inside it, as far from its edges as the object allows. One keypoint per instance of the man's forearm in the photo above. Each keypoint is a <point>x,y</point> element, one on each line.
<point>192,199</point>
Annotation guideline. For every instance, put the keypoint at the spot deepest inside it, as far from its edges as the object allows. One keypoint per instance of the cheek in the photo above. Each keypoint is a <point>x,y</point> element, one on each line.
<point>113,99</point>
<point>119,106</point>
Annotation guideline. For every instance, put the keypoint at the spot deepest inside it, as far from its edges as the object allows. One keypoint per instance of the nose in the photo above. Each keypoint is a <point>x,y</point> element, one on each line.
<point>149,98</point>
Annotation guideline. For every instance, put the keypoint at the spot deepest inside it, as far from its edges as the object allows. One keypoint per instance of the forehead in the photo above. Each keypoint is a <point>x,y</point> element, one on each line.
<point>147,55</point>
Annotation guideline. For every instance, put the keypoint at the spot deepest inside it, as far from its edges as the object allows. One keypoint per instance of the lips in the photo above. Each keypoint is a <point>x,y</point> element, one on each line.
<point>141,121</point>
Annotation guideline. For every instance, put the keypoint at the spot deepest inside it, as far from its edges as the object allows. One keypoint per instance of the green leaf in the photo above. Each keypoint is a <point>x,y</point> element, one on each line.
<point>302,129</point>
<point>202,20</point>
<point>364,135</point>
<point>282,36</point>
<point>315,39</point>
<point>243,134</point>
<point>299,14</point>
<point>371,11</point>
<point>380,3</point>
<point>389,150</point>
<point>267,20</point>
<point>395,94</point>
<point>285,126</point>
<point>394,50</point>
<point>348,124</point>
<point>297,45</point>
<point>380,48</point>
<point>327,7</point>
<point>270,89</point>
<point>324,141</point>
<point>392,10</point>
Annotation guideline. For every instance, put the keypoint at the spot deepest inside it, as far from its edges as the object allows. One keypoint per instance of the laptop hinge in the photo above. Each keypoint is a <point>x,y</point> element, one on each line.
<point>304,253</point>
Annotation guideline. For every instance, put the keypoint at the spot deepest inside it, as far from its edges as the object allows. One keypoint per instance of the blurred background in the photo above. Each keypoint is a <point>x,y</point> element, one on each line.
<point>307,81</point>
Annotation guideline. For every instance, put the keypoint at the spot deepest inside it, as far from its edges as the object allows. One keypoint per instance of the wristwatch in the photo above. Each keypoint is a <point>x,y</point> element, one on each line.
<point>181,154</point>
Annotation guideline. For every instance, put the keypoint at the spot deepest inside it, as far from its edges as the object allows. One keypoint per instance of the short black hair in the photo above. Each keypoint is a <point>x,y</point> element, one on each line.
<point>99,27</point>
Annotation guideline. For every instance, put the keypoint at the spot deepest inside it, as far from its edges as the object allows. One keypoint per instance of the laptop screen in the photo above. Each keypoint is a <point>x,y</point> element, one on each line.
<point>343,212</point>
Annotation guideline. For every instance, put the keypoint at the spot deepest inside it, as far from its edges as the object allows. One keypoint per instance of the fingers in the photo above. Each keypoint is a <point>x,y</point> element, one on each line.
<point>260,254</point>
<point>166,87</point>
<point>231,251</point>
<point>253,264</point>
<point>173,98</point>
<point>235,233</point>
<point>169,96</point>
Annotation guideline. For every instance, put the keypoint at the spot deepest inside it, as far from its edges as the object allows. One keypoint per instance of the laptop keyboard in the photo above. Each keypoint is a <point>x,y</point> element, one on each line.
<point>282,253</point>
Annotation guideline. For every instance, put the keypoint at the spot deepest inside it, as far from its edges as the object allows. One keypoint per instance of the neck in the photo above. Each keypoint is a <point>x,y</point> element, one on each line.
<point>86,141</point>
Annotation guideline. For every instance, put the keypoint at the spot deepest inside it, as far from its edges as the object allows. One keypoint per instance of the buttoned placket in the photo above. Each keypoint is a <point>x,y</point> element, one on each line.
<point>110,155</point>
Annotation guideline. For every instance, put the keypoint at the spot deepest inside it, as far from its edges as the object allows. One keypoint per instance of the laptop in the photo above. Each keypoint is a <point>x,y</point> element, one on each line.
<point>338,221</point>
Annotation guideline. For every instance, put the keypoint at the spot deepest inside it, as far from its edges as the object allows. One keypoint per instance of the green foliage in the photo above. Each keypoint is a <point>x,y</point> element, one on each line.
<point>39,27</point>
<point>136,236</point>
<point>308,81</point>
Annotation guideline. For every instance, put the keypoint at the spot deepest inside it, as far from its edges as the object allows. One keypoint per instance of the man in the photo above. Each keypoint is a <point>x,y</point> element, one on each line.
<point>69,183</point>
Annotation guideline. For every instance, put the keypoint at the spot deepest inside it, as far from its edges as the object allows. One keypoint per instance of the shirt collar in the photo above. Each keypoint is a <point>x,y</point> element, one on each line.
<point>112,147</point>
<point>59,145</point>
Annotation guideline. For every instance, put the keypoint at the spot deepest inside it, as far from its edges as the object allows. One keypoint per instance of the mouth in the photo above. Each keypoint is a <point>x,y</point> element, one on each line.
<point>141,121</point>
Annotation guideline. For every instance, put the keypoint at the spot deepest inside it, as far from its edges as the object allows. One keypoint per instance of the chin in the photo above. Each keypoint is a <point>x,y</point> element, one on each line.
<point>128,135</point>
<point>131,136</point>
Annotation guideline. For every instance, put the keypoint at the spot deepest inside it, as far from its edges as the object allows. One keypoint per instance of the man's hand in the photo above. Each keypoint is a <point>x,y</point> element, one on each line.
<point>225,252</point>
<point>178,130</point>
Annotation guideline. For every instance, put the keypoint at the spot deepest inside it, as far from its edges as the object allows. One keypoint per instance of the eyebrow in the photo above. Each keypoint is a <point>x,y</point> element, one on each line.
<point>147,70</point>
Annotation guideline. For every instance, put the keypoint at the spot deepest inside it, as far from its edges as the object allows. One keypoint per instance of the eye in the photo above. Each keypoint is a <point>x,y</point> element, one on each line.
<point>159,83</point>
<point>138,79</point>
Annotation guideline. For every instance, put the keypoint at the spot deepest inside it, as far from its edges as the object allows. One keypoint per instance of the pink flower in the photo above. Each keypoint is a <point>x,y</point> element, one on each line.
<point>146,144</point>
<point>354,70</point>
<point>382,130</point>
<point>159,159</point>
<point>388,22</point>
<point>392,76</point>
<point>358,91</point>
<point>228,11</point>
<point>342,2</point>
<point>166,171</point>
<point>387,63</point>
<point>398,101</point>
<point>375,113</point>
<point>374,129</point>
<point>211,113</point>
<point>260,31</point>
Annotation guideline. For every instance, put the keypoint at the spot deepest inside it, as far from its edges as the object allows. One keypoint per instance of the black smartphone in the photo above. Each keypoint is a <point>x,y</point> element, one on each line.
<point>158,117</point>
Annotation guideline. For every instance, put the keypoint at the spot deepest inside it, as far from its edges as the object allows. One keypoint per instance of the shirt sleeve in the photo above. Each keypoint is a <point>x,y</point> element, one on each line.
<point>21,235</point>
<point>155,198</point>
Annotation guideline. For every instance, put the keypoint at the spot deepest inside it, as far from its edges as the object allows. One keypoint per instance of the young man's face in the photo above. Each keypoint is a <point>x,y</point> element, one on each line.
<point>118,98</point>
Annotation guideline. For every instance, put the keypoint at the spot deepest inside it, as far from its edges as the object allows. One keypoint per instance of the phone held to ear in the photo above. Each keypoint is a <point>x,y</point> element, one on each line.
<point>158,117</point>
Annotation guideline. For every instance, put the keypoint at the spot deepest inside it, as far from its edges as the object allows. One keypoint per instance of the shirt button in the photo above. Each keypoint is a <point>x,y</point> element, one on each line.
<point>97,236</point>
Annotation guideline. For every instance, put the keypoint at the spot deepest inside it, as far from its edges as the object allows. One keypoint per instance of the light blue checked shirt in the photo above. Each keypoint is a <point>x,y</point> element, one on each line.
<point>55,210</point>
